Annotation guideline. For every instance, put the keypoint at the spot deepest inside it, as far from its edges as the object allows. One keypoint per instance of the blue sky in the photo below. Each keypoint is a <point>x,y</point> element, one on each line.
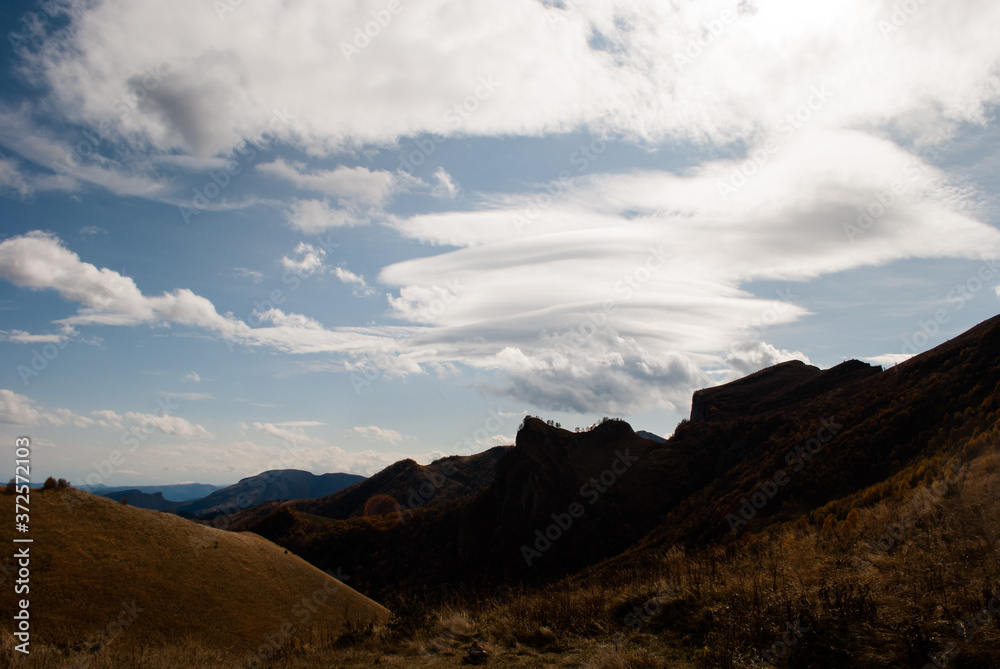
<point>243,236</point>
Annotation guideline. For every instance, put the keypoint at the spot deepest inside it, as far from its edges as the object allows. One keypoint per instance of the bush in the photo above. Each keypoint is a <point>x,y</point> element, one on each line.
<point>408,619</point>
<point>50,484</point>
<point>355,632</point>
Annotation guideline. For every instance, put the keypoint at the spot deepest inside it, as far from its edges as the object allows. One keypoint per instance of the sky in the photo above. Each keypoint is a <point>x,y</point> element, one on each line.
<point>241,236</point>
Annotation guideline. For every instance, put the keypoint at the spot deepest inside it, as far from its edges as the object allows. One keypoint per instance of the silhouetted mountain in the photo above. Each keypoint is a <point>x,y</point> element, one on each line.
<point>792,438</point>
<point>143,500</point>
<point>277,484</point>
<point>399,489</point>
<point>177,492</point>
<point>652,437</point>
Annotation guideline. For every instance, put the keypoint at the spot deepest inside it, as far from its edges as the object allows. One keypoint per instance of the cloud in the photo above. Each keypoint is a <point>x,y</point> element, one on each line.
<point>351,186</point>
<point>361,287</point>
<point>751,356</point>
<point>889,359</point>
<point>376,433</point>
<point>511,68</point>
<point>22,337</point>
<point>20,410</point>
<point>446,188</point>
<point>193,377</point>
<point>244,273</point>
<point>291,433</point>
<point>306,260</point>
<point>314,216</point>
<point>20,133</point>
<point>11,179</point>
<point>603,372</point>
<point>360,194</point>
<point>172,426</point>
<point>91,230</point>
<point>190,397</point>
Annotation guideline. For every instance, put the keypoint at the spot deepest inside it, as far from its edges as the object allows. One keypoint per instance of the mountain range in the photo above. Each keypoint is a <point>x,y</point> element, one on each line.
<point>800,517</point>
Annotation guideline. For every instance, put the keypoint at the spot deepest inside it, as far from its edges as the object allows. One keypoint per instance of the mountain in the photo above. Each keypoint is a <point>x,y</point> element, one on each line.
<point>277,484</point>
<point>399,489</point>
<point>652,437</point>
<point>103,572</point>
<point>787,441</point>
<point>177,492</point>
<point>143,500</point>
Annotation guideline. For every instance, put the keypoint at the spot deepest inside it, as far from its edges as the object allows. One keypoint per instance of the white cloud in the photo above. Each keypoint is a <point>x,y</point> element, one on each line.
<point>21,134</point>
<point>446,188</point>
<point>352,186</point>
<point>361,287</point>
<point>747,357</point>
<point>244,273</point>
<point>108,419</point>
<point>172,426</point>
<point>380,434</point>
<point>889,359</point>
<point>11,179</point>
<point>20,410</point>
<point>314,216</point>
<point>193,377</point>
<point>22,337</point>
<point>305,261</point>
<point>291,433</point>
<point>91,230</point>
<point>515,67</point>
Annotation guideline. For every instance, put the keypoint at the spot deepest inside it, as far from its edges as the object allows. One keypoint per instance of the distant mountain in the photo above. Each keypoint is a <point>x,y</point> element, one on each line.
<point>143,500</point>
<point>652,437</point>
<point>135,577</point>
<point>178,492</point>
<point>398,490</point>
<point>277,484</point>
<point>793,438</point>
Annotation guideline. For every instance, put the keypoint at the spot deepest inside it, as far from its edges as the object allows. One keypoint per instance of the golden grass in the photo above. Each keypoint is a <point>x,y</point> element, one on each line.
<point>903,581</point>
<point>104,573</point>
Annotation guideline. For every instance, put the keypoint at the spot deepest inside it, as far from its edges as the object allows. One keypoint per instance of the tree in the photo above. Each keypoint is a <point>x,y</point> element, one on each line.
<point>11,488</point>
<point>50,484</point>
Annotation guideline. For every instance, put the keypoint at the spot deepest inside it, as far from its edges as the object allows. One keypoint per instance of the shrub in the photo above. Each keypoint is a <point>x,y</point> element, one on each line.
<point>408,619</point>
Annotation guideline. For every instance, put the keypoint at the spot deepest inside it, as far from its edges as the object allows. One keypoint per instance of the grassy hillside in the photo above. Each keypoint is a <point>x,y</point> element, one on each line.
<point>760,454</point>
<point>105,573</point>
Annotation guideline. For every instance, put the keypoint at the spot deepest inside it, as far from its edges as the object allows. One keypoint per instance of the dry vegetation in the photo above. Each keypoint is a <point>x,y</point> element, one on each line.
<point>899,575</point>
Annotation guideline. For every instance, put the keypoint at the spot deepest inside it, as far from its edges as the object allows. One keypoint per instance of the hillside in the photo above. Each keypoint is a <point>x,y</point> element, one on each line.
<point>174,492</point>
<point>143,500</point>
<point>800,437</point>
<point>103,573</point>
<point>398,490</point>
<point>277,484</point>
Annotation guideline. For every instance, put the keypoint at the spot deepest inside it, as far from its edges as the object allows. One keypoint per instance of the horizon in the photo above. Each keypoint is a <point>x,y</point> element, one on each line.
<point>330,238</point>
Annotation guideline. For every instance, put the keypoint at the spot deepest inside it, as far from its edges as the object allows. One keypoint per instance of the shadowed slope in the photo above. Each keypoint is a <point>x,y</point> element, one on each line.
<point>102,572</point>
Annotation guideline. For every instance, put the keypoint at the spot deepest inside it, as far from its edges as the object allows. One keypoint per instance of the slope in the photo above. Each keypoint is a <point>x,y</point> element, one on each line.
<point>277,484</point>
<point>103,572</point>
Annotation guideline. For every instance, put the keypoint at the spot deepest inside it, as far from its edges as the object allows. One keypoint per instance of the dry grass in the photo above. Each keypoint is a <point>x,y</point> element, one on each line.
<point>112,575</point>
<point>906,580</point>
